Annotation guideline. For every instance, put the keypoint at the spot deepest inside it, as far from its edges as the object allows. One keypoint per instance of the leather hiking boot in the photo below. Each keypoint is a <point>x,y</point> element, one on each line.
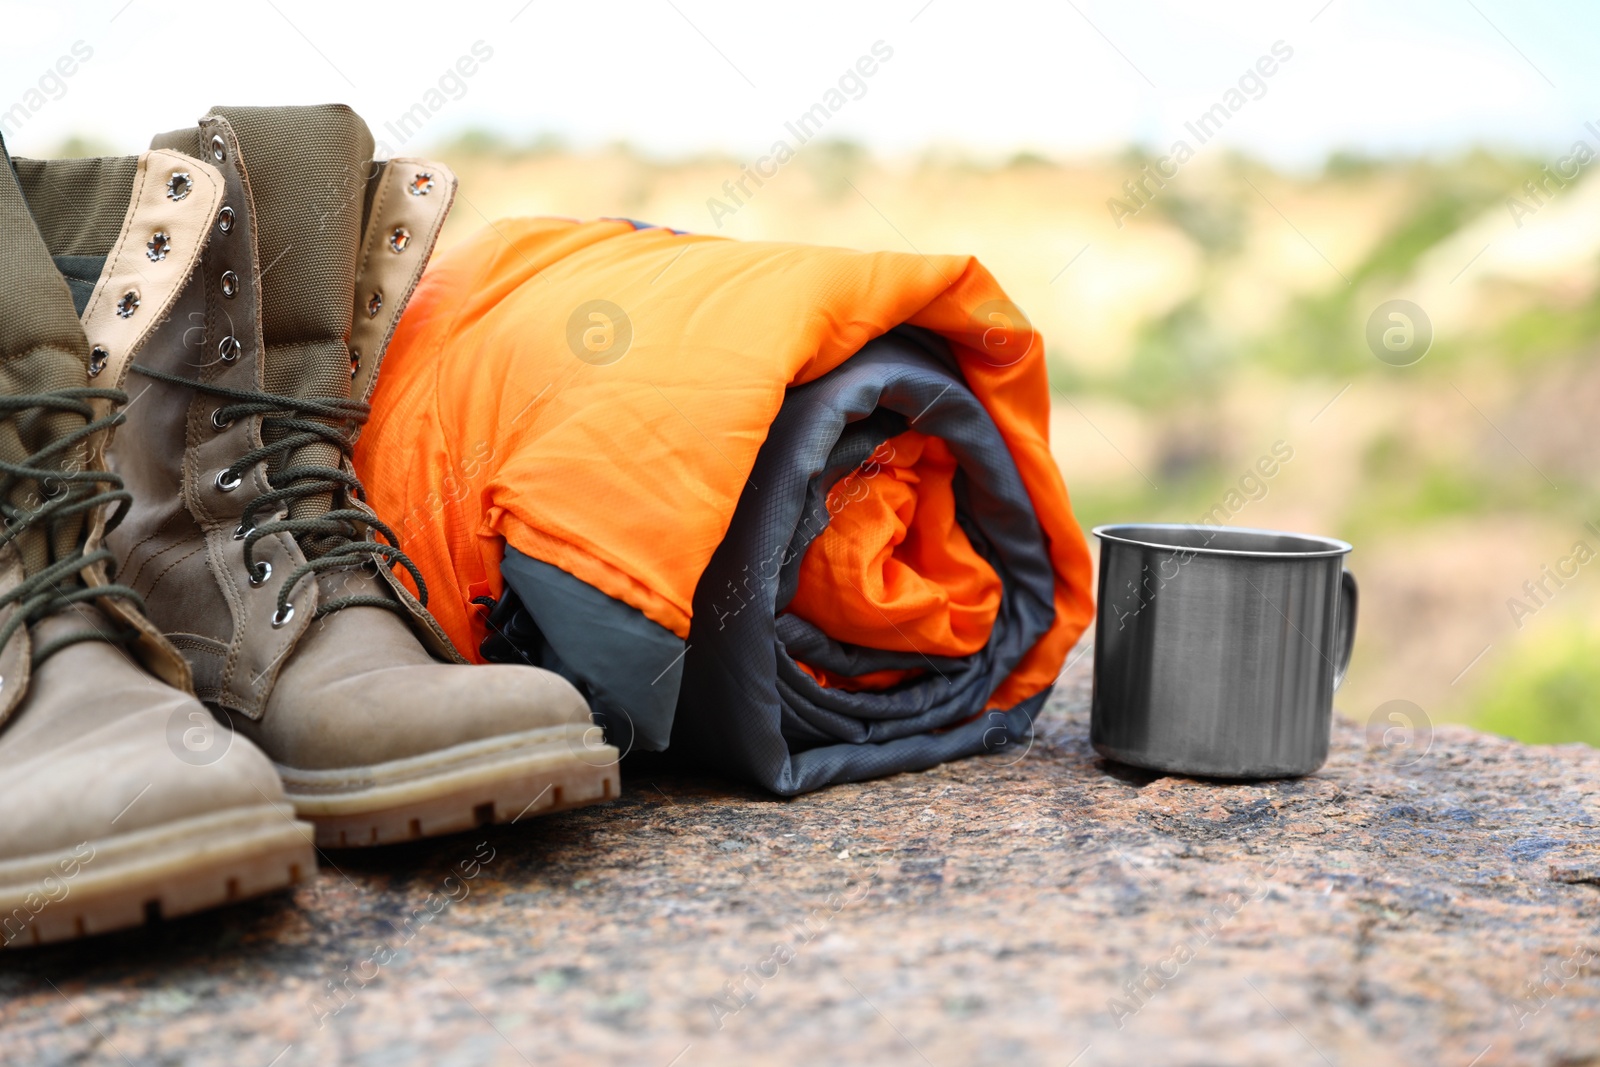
<point>123,800</point>
<point>249,536</point>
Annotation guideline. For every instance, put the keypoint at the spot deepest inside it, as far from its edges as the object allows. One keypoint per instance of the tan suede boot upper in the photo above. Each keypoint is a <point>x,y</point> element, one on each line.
<point>249,537</point>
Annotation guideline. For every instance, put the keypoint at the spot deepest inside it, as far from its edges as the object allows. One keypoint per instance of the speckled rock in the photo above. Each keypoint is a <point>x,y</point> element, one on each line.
<point>1040,906</point>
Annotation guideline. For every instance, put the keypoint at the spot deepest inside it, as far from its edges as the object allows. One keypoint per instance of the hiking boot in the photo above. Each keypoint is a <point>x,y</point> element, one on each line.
<point>250,538</point>
<point>123,801</point>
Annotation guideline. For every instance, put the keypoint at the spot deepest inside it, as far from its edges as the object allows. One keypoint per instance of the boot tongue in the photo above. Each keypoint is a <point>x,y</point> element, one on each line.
<point>42,349</point>
<point>308,169</point>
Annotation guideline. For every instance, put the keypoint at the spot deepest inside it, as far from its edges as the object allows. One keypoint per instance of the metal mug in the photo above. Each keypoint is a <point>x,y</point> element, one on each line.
<point>1217,649</point>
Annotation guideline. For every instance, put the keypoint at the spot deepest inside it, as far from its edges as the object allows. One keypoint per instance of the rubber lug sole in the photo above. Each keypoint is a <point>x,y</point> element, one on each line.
<point>158,873</point>
<point>498,780</point>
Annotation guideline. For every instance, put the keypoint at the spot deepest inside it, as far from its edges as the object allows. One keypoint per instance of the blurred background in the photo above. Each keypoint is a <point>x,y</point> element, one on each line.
<point>1207,215</point>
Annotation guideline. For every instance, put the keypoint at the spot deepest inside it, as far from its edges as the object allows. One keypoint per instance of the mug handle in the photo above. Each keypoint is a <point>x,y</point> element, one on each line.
<point>1348,600</point>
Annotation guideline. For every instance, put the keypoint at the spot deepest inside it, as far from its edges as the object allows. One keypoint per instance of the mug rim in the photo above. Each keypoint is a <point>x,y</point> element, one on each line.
<point>1125,533</point>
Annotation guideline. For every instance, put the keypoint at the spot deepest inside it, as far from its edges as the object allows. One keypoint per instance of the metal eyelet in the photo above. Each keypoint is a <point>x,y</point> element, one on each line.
<point>374,305</point>
<point>228,480</point>
<point>399,238</point>
<point>355,363</point>
<point>219,148</point>
<point>281,619</point>
<point>98,358</point>
<point>420,184</point>
<point>260,573</point>
<point>228,348</point>
<point>128,304</point>
<point>158,246</point>
<point>241,531</point>
<point>225,219</point>
<point>230,284</point>
<point>179,185</point>
<point>217,423</point>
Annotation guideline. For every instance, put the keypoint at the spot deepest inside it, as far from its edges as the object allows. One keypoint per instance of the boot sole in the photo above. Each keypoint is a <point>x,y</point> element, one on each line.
<point>162,872</point>
<point>497,780</point>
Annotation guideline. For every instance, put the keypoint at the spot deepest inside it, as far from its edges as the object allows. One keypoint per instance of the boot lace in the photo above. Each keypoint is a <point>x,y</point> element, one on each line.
<point>62,491</point>
<point>342,533</point>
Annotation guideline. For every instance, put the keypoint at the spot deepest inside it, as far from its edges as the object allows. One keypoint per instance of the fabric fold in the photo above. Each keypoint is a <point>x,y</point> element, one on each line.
<point>755,707</point>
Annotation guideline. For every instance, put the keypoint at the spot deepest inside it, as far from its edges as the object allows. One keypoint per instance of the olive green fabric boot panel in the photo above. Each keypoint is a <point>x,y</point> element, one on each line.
<point>143,253</point>
<point>42,350</point>
<point>78,205</point>
<point>309,171</point>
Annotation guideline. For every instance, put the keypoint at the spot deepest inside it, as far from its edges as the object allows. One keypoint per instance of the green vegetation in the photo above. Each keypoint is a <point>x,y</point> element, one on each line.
<point>1402,490</point>
<point>1325,334</point>
<point>1543,331</point>
<point>76,147</point>
<point>1548,691</point>
<point>833,164</point>
<point>479,142</point>
<point>1178,496</point>
<point>1216,225</point>
<point>1180,355</point>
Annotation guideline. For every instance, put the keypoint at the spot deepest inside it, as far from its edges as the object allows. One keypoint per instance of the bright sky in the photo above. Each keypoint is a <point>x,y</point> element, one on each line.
<point>684,76</point>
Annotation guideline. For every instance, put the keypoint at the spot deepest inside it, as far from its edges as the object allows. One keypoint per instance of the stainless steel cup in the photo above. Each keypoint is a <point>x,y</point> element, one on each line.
<point>1217,649</point>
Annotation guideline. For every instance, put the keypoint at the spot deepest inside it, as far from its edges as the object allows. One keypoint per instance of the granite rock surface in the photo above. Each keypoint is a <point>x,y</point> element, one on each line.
<point>1436,901</point>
